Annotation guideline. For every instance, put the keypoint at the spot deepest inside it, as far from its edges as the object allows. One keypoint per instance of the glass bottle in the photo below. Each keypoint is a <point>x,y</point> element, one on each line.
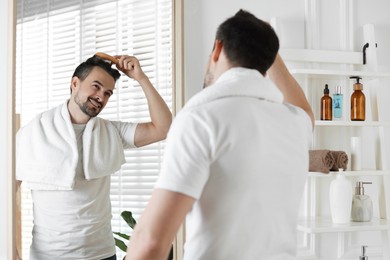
<point>358,101</point>
<point>338,103</point>
<point>326,105</point>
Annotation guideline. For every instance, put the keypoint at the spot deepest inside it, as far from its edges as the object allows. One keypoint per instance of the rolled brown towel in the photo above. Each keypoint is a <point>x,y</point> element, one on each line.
<point>320,161</point>
<point>340,160</point>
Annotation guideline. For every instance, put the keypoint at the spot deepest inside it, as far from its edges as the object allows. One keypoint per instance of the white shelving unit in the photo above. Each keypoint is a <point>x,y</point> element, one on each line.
<point>325,225</point>
<point>351,123</point>
<point>338,74</point>
<point>351,173</point>
<point>313,224</point>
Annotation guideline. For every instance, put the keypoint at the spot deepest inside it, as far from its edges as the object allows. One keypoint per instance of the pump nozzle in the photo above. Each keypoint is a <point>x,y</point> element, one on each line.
<point>359,189</point>
<point>357,85</point>
<point>356,77</point>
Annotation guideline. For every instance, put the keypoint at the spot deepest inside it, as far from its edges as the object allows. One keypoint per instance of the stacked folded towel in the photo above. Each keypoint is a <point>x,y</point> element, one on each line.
<point>340,160</point>
<point>326,160</point>
<point>320,161</point>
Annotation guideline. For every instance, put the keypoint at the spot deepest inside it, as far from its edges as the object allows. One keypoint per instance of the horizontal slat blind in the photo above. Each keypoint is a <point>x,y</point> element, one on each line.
<point>53,37</point>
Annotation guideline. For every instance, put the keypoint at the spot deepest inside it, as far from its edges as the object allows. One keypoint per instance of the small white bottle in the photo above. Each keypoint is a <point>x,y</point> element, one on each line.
<point>356,153</point>
<point>340,199</point>
<point>361,204</point>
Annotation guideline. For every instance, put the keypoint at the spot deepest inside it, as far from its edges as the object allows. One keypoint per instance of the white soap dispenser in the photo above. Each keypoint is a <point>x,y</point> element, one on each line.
<point>361,204</point>
<point>340,198</point>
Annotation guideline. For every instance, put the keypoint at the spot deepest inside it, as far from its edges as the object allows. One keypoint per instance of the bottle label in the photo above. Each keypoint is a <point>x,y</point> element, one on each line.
<point>337,106</point>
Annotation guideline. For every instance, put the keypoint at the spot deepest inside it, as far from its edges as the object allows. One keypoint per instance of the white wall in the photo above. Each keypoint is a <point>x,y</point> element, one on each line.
<point>377,13</point>
<point>3,134</point>
<point>202,18</point>
<point>5,49</point>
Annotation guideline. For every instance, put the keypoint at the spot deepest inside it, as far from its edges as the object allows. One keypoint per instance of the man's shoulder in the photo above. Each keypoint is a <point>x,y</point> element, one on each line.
<point>298,113</point>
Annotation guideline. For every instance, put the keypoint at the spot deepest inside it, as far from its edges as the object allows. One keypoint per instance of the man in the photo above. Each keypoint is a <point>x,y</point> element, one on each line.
<point>236,157</point>
<point>66,155</point>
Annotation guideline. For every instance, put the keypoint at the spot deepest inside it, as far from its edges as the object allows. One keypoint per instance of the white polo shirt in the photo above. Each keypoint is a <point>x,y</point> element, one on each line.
<point>243,155</point>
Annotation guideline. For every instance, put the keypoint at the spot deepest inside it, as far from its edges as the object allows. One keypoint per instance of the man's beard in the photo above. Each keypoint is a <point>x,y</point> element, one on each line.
<point>89,110</point>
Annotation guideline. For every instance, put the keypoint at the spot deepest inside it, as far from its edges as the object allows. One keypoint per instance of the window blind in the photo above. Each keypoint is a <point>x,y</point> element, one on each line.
<point>54,37</point>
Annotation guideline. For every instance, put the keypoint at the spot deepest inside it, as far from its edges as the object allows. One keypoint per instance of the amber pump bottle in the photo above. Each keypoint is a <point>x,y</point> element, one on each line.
<point>326,105</point>
<point>358,101</point>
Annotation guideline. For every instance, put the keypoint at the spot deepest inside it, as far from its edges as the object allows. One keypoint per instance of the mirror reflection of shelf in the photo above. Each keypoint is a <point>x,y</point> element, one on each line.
<point>351,173</point>
<point>325,225</point>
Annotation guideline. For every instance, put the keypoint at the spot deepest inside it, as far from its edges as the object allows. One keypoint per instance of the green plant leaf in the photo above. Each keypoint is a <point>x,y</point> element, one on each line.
<point>122,235</point>
<point>128,217</point>
<point>119,243</point>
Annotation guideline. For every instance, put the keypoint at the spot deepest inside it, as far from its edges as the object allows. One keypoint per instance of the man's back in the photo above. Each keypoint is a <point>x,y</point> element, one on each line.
<point>250,156</point>
<point>256,180</point>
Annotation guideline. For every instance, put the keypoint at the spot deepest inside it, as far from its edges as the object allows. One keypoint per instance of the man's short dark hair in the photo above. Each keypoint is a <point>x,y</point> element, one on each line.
<point>248,41</point>
<point>83,70</point>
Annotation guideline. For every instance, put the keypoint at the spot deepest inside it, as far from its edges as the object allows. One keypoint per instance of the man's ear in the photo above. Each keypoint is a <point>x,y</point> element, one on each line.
<point>217,50</point>
<point>74,83</point>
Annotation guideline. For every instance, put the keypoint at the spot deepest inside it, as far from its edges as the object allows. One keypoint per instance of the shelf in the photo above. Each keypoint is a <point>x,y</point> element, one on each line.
<point>351,123</point>
<point>351,173</point>
<point>338,74</point>
<point>325,225</point>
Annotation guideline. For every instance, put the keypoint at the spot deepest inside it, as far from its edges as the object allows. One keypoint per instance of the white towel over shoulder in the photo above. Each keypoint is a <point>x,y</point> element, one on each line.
<point>47,155</point>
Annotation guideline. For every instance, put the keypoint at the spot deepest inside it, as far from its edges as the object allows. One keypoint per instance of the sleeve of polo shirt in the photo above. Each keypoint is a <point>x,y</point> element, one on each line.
<point>187,156</point>
<point>127,133</point>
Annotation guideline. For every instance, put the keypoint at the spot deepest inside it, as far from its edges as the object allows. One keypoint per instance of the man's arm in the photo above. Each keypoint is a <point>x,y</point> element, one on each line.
<point>158,225</point>
<point>290,88</point>
<point>161,116</point>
